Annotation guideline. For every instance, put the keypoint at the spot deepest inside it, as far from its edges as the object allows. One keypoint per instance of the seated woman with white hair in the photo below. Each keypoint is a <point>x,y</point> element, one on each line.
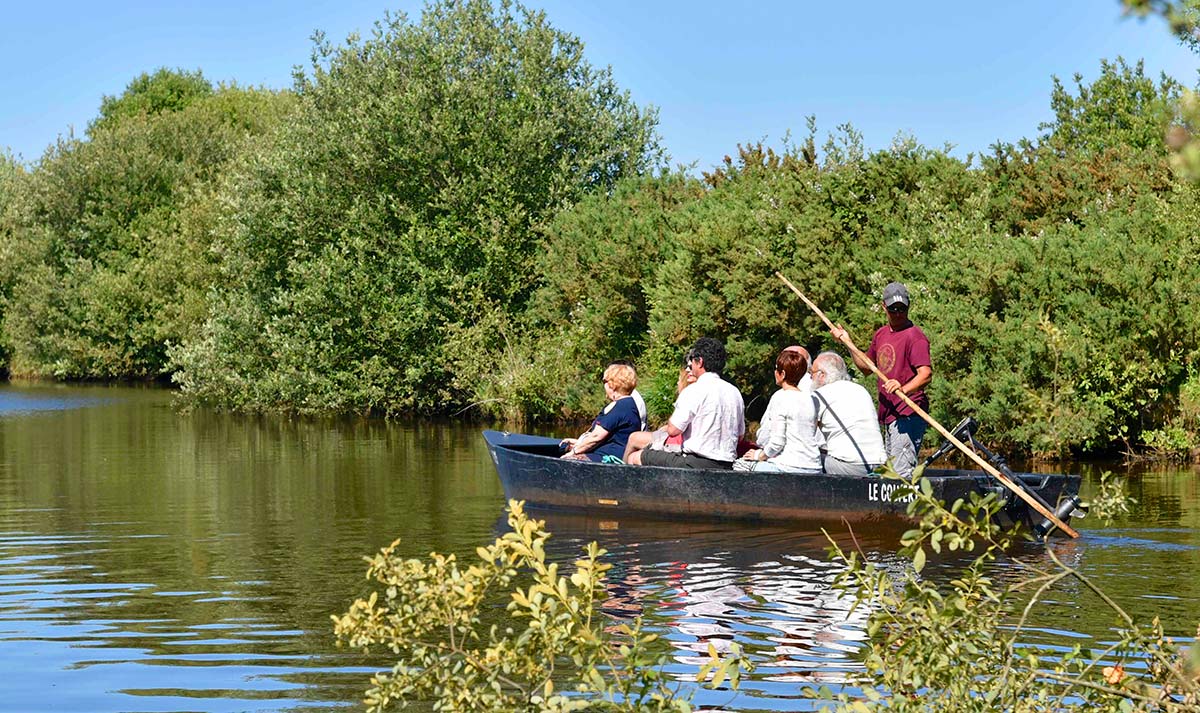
<point>616,421</point>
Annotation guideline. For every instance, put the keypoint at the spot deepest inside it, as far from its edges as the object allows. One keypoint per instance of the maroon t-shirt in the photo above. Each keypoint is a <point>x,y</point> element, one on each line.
<point>898,354</point>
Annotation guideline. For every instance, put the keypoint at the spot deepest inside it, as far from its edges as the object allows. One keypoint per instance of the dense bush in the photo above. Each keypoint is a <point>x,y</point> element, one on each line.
<point>554,649</point>
<point>460,213</point>
<point>108,261</point>
<point>1055,281</point>
<point>164,91</point>
<point>11,173</point>
<point>401,208</point>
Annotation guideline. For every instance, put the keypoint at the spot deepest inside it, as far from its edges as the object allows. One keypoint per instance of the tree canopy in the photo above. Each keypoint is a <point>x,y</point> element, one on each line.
<point>402,206</point>
<point>164,90</point>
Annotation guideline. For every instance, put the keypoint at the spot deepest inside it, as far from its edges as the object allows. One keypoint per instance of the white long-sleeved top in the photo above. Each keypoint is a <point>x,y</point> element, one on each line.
<point>788,433</point>
<point>763,436</point>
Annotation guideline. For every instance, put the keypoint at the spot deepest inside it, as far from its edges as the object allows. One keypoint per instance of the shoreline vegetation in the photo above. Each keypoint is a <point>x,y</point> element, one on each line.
<point>460,215</point>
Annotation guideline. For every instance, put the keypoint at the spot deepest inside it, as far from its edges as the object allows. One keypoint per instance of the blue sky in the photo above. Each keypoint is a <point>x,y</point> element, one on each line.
<point>967,73</point>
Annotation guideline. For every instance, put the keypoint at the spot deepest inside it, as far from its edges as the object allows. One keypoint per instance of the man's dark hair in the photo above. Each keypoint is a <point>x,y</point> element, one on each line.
<point>712,351</point>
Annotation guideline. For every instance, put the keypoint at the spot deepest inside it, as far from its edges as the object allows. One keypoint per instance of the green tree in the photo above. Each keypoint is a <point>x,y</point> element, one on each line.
<point>404,204</point>
<point>1106,140</point>
<point>591,304</point>
<point>11,173</point>
<point>109,258</point>
<point>163,91</point>
<point>1121,108</point>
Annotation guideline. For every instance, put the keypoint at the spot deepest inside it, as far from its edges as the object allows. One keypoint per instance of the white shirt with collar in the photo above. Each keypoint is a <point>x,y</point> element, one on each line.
<point>847,418</point>
<point>712,416</point>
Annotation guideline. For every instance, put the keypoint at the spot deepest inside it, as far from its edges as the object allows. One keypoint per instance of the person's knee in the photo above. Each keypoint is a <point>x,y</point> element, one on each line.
<point>635,458</point>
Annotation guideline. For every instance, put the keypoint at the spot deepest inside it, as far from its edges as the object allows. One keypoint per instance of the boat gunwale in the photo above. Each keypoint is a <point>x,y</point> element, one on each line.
<point>1034,479</point>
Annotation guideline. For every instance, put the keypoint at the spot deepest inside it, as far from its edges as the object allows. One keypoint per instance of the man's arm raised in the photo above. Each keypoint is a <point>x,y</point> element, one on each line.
<point>839,333</point>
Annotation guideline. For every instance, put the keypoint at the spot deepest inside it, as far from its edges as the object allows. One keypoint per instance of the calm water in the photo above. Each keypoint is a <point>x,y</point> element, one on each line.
<point>158,561</point>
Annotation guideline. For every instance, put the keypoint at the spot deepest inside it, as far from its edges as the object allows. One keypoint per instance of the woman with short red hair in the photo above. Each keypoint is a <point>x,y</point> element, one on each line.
<point>792,441</point>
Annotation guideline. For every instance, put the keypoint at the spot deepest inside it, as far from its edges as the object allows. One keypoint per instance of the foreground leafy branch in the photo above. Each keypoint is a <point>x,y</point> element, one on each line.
<point>549,649</point>
<point>956,646</point>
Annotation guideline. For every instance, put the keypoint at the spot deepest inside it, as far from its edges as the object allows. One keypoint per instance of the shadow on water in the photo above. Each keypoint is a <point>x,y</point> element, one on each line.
<point>152,560</point>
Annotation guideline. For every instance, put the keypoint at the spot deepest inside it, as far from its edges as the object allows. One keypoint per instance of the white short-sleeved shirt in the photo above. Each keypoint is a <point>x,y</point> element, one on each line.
<point>847,419</point>
<point>711,415</point>
<point>641,406</point>
<point>794,440</point>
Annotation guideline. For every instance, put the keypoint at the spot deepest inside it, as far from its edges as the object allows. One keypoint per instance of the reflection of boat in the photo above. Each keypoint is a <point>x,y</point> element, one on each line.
<point>530,470</point>
<point>766,586</point>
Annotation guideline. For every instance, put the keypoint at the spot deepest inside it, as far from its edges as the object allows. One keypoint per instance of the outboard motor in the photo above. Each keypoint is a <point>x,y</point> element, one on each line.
<point>1068,508</point>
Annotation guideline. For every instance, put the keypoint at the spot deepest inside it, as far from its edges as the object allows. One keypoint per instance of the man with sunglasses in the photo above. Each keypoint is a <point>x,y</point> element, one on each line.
<point>901,351</point>
<point>709,415</point>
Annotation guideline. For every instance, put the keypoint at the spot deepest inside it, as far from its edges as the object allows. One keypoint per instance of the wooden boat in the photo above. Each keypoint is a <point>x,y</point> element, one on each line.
<point>530,470</point>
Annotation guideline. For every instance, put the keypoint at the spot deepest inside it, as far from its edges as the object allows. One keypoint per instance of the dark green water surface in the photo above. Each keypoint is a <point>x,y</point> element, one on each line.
<point>152,560</point>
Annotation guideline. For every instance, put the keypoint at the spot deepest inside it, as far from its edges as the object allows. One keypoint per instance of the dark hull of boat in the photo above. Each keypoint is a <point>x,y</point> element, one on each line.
<point>530,470</point>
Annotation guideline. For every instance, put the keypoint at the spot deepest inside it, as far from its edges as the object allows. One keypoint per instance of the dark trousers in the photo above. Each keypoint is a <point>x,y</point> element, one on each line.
<point>682,460</point>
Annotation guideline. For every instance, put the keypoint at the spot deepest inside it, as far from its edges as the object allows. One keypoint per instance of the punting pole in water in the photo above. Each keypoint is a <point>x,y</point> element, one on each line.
<point>1033,501</point>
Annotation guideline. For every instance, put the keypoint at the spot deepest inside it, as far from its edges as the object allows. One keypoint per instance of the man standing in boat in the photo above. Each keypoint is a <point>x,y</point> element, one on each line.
<point>710,414</point>
<point>901,351</point>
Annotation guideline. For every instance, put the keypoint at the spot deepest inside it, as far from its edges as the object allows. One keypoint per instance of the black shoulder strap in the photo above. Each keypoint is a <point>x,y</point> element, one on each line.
<point>837,418</point>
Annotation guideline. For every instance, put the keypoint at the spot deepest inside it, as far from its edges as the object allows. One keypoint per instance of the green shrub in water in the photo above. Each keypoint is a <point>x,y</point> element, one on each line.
<point>951,645</point>
<point>957,646</point>
<point>552,651</point>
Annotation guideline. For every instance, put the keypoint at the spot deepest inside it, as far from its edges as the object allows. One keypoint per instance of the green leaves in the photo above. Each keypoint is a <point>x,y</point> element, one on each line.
<point>555,652</point>
<point>164,91</point>
<point>956,643</point>
<point>918,559</point>
<point>378,235</point>
<point>108,260</point>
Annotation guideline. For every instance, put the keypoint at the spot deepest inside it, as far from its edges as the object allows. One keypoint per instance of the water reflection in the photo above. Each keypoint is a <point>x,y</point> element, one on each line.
<point>767,588</point>
<point>158,561</point>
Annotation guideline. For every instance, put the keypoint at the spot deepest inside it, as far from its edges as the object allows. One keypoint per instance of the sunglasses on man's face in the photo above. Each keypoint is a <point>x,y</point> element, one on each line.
<point>898,307</point>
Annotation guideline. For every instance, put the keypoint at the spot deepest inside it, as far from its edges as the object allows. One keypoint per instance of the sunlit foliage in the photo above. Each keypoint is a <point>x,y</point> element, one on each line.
<point>552,650</point>
<point>11,172</point>
<point>509,632</point>
<point>402,207</point>
<point>163,91</point>
<point>109,259</point>
<point>1054,280</point>
<point>957,643</point>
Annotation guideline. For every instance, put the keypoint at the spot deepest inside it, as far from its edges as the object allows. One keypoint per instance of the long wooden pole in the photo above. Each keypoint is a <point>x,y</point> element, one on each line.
<point>1033,502</point>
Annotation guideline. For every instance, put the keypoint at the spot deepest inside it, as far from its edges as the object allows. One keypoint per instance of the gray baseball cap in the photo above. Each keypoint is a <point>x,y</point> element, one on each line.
<point>893,293</point>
